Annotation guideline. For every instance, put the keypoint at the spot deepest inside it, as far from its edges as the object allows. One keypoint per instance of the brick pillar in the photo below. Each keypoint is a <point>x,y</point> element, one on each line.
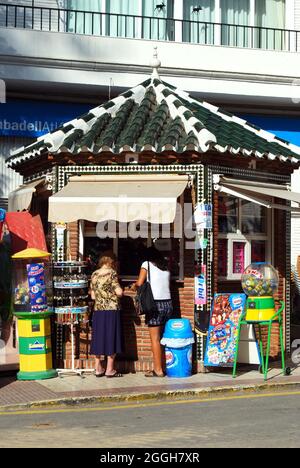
<point>73,250</point>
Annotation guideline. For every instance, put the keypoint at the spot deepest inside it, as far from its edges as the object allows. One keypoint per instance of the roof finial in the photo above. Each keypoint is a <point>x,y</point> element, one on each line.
<point>155,64</point>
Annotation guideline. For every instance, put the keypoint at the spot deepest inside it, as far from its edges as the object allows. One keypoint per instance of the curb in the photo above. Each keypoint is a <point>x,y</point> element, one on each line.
<point>154,395</point>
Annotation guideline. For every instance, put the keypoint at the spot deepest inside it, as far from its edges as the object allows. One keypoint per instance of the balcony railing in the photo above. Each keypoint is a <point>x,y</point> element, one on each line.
<point>146,27</point>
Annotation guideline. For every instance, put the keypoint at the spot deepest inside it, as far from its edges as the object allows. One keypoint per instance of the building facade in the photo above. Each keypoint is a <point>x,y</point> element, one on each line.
<point>59,57</point>
<point>239,54</point>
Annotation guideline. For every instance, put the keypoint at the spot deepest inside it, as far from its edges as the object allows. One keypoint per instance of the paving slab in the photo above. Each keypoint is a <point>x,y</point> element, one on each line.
<point>72,389</point>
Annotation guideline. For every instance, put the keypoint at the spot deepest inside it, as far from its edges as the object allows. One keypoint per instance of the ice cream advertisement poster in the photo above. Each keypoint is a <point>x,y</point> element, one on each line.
<point>37,287</point>
<point>223,329</point>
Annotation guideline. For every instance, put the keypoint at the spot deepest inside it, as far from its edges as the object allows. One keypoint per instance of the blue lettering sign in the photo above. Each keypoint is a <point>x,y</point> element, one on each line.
<point>36,118</point>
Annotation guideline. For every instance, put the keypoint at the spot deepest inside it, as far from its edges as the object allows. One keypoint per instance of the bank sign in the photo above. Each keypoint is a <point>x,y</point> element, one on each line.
<point>36,118</point>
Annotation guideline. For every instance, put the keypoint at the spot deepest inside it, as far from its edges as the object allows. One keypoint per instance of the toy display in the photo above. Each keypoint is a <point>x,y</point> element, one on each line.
<point>32,304</point>
<point>260,282</point>
<point>70,282</point>
<point>32,288</point>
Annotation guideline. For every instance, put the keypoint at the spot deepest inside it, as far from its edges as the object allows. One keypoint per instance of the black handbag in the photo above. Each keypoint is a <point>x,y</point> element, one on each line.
<point>146,303</point>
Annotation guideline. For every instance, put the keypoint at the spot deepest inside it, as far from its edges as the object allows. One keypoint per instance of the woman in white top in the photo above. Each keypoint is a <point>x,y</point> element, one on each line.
<point>160,284</point>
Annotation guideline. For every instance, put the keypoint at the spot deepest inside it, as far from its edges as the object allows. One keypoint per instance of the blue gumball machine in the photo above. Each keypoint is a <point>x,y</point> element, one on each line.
<point>178,339</point>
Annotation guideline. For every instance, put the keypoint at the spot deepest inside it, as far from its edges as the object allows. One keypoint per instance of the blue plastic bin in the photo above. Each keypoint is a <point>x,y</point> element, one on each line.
<point>178,339</point>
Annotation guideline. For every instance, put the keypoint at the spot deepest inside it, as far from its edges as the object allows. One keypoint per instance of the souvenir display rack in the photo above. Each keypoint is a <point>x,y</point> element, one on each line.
<point>70,285</point>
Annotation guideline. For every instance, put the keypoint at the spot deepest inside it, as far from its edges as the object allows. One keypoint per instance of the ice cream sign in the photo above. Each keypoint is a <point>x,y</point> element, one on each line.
<point>37,287</point>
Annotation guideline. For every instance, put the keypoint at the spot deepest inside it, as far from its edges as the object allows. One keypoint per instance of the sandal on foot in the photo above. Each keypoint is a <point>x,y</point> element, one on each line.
<point>116,375</point>
<point>100,375</point>
<point>154,374</point>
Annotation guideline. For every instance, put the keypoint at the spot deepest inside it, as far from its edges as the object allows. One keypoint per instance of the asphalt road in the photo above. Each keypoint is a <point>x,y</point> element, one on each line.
<point>255,420</point>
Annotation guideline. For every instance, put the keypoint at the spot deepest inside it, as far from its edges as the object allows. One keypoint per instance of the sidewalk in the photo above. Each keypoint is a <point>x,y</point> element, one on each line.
<point>73,389</point>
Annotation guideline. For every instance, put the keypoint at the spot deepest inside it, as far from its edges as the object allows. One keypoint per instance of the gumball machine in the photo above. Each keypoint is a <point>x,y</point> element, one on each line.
<point>260,282</point>
<point>32,287</point>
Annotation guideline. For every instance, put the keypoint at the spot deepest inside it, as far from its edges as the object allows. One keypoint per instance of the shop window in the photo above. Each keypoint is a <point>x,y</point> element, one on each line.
<point>223,258</point>
<point>131,253</point>
<point>228,215</point>
<point>258,251</point>
<point>244,236</point>
<point>254,218</point>
<point>94,248</point>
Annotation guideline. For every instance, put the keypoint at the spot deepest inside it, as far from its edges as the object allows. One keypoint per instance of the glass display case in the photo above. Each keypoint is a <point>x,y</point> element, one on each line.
<point>260,282</point>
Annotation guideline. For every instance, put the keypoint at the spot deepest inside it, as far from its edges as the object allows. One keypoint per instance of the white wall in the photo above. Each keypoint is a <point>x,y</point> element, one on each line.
<point>297,15</point>
<point>65,59</point>
<point>30,20</point>
<point>295,228</point>
<point>9,179</point>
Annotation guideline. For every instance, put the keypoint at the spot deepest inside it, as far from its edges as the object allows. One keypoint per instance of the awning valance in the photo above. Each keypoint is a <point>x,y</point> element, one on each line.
<point>122,198</point>
<point>20,199</point>
<point>258,192</point>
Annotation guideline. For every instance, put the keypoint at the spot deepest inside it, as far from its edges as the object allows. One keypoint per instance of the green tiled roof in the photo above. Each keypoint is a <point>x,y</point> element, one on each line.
<point>154,116</point>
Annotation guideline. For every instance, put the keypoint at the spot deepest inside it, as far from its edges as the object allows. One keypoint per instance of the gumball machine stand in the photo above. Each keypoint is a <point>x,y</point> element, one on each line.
<point>260,282</point>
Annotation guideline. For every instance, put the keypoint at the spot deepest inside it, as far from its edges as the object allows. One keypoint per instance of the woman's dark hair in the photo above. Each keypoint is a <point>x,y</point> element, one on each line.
<point>156,257</point>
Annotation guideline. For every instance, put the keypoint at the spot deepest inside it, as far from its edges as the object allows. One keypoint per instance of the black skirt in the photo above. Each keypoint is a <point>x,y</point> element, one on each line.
<point>163,314</point>
<point>106,333</point>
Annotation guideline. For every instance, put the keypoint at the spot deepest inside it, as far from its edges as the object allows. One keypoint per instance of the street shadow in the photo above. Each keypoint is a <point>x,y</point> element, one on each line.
<point>6,380</point>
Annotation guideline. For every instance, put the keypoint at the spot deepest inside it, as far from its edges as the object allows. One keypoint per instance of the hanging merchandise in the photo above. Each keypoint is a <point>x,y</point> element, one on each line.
<point>200,287</point>
<point>71,298</point>
<point>203,243</point>
<point>203,216</point>
<point>60,229</point>
<point>223,329</point>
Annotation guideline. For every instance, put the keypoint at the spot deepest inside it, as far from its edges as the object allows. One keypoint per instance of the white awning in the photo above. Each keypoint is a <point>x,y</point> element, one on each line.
<point>122,198</point>
<point>258,192</point>
<point>20,199</point>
